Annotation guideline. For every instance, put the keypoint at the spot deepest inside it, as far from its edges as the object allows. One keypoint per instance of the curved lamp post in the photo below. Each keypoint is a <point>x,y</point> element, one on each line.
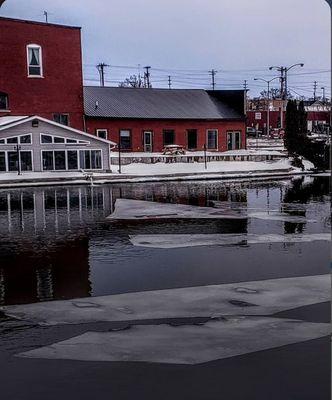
<point>284,70</point>
<point>268,100</point>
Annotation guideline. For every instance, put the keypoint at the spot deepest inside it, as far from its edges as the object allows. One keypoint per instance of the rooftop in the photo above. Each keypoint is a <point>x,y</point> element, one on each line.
<point>26,21</point>
<point>140,103</point>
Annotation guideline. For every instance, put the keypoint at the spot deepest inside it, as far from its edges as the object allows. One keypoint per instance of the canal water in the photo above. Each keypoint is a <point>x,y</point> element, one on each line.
<point>56,242</point>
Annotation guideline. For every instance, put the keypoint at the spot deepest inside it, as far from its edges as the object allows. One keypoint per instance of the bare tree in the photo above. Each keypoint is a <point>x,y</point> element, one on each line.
<point>133,81</point>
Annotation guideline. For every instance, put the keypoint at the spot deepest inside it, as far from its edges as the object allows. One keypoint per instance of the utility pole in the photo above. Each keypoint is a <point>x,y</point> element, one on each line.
<point>101,69</point>
<point>46,16</point>
<point>169,82</point>
<point>213,73</point>
<point>324,98</point>
<point>147,76</point>
<point>315,89</point>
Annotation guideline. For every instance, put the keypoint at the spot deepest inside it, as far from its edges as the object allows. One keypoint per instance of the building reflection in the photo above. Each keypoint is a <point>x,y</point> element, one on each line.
<point>44,249</point>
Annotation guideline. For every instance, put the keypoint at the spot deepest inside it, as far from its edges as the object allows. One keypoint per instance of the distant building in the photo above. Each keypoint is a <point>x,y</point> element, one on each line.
<point>41,71</point>
<point>146,120</point>
<point>39,145</point>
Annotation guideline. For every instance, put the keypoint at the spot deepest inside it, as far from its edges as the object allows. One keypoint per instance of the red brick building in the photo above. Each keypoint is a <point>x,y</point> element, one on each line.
<point>145,120</point>
<point>41,71</point>
<point>41,74</point>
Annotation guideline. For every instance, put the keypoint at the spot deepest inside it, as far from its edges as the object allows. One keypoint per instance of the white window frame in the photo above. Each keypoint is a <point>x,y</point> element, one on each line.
<point>79,167</point>
<point>78,141</point>
<point>232,133</point>
<point>13,151</point>
<point>35,46</point>
<point>207,139</point>
<point>103,130</point>
<point>18,140</point>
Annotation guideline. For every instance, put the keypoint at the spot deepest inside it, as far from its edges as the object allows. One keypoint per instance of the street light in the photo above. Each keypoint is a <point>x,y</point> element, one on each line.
<point>284,71</point>
<point>268,100</point>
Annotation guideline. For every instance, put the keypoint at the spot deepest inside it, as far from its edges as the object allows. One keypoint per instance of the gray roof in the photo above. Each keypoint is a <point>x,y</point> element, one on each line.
<point>132,103</point>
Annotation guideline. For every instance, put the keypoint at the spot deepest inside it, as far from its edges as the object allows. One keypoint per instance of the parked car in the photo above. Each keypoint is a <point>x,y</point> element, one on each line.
<point>251,132</point>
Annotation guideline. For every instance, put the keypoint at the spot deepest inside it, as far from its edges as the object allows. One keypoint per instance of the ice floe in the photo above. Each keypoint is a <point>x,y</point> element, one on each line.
<point>130,210</point>
<point>172,241</point>
<point>266,297</point>
<point>186,344</point>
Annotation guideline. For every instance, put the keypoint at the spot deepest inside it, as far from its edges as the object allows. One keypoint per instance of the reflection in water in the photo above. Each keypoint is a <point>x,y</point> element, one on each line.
<point>56,243</point>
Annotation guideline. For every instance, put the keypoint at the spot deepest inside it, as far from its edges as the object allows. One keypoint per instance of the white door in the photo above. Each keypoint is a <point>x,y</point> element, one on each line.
<point>147,141</point>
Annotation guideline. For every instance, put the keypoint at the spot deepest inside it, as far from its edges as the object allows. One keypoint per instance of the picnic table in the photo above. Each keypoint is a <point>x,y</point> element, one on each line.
<point>173,149</point>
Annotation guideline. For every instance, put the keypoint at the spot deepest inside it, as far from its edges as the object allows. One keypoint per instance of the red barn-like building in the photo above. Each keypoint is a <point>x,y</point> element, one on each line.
<point>146,120</point>
<point>41,71</point>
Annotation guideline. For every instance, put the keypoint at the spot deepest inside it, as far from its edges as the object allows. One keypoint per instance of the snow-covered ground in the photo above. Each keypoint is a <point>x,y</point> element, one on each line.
<point>142,169</point>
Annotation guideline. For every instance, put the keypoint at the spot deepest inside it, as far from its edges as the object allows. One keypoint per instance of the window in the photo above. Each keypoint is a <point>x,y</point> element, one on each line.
<point>4,101</point>
<point>125,139</point>
<point>12,140</point>
<point>12,160</point>
<point>90,159</point>
<point>59,160</point>
<point>212,139</point>
<point>48,161</point>
<point>62,119</point>
<point>2,161</point>
<point>102,133</point>
<point>71,141</point>
<point>72,159</point>
<point>26,160</point>
<point>46,139</point>
<point>25,139</point>
<point>233,140</point>
<point>58,139</point>
<point>169,137</point>
<point>35,68</point>
<point>192,139</point>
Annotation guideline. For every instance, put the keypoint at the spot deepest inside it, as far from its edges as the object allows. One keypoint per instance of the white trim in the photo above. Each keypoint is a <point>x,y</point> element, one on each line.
<point>207,139</point>
<point>77,142</point>
<point>18,140</point>
<point>48,121</point>
<point>35,46</point>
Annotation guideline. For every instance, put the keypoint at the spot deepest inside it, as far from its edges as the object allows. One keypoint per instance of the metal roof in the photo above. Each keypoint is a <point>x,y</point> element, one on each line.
<point>140,103</point>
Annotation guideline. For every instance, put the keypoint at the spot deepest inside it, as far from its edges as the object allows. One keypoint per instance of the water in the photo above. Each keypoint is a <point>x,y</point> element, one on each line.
<point>55,243</point>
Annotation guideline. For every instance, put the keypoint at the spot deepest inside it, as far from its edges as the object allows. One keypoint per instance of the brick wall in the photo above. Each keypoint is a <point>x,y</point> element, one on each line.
<point>60,88</point>
<point>157,126</point>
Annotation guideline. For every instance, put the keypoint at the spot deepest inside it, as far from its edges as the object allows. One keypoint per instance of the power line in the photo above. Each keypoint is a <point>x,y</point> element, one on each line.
<point>101,69</point>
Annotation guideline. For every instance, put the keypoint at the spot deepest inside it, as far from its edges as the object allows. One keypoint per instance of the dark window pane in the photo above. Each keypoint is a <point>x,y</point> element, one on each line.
<point>169,137</point>
<point>102,133</point>
<point>58,139</point>
<point>34,71</point>
<point>2,161</point>
<point>192,139</point>
<point>95,159</point>
<point>59,160</point>
<point>46,139</point>
<point>61,119</point>
<point>85,159</point>
<point>212,139</point>
<point>125,140</point>
<point>12,140</point>
<point>72,159</point>
<point>12,161</point>
<point>71,141</point>
<point>3,101</point>
<point>48,161</point>
<point>237,140</point>
<point>25,139</point>
<point>26,161</point>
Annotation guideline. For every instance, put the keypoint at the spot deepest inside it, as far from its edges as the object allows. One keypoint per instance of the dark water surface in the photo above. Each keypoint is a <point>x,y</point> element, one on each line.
<point>55,243</point>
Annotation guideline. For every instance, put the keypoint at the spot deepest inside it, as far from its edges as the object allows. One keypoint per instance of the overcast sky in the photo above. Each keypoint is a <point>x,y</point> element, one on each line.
<point>187,38</point>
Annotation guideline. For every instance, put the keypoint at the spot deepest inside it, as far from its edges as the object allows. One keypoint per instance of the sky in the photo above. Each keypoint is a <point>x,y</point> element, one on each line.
<point>188,38</point>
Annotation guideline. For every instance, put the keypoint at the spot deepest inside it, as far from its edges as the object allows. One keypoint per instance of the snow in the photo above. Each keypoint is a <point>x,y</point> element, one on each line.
<point>170,241</point>
<point>8,120</point>
<point>214,166</point>
<point>186,344</point>
<point>270,296</point>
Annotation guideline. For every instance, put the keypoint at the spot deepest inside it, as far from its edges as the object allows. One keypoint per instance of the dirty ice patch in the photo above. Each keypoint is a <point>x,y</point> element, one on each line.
<point>139,210</point>
<point>173,241</point>
<point>187,344</point>
<point>264,297</point>
<point>130,210</point>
